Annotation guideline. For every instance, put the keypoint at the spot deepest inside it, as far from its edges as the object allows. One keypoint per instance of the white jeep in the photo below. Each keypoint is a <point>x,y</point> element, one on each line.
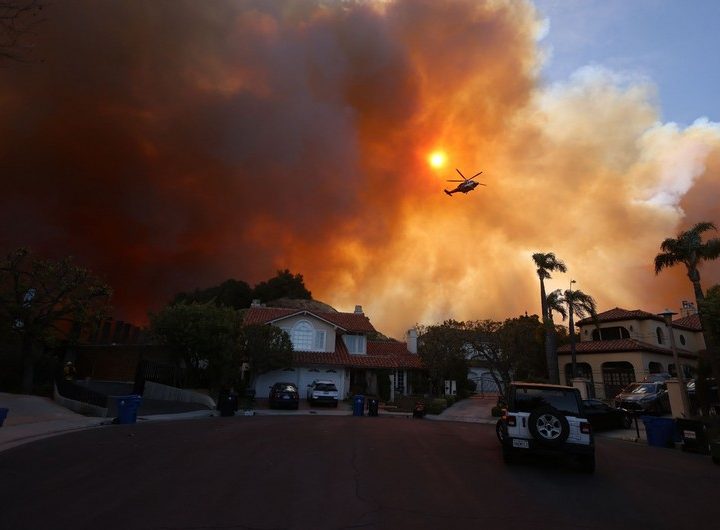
<point>546,420</point>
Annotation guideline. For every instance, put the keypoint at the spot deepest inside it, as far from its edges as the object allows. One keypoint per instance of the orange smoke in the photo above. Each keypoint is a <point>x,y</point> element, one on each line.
<point>174,145</point>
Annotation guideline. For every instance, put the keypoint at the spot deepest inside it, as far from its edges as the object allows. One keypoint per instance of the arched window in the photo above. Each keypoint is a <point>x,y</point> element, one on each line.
<point>302,336</point>
<point>660,335</point>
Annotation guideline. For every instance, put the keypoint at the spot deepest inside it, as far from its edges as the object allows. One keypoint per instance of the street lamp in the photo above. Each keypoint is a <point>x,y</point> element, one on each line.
<point>573,358</point>
<point>667,317</point>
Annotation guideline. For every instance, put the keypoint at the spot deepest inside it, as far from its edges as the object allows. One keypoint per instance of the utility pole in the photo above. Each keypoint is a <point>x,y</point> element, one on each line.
<point>572,332</point>
<point>667,317</point>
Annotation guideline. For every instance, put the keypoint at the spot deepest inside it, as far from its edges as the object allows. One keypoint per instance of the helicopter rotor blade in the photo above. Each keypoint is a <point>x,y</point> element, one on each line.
<point>475,175</point>
<point>463,176</point>
<point>456,180</point>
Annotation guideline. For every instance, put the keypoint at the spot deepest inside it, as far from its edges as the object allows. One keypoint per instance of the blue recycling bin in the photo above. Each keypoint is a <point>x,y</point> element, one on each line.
<point>3,414</point>
<point>127,408</point>
<point>358,405</point>
<point>660,431</point>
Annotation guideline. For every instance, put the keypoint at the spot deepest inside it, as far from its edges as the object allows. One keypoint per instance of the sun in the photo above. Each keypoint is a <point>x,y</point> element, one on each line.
<point>437,159</point>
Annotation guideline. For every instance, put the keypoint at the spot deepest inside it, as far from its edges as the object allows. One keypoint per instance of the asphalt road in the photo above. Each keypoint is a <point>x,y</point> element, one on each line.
<point>340,472</point>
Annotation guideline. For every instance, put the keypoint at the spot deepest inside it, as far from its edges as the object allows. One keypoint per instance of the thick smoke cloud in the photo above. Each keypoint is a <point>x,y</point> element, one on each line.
<point>171,145</point>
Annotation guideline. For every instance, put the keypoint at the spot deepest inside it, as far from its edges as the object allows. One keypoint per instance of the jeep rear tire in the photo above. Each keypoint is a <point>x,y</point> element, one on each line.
<point>500,430</point>
<point>548,426</point>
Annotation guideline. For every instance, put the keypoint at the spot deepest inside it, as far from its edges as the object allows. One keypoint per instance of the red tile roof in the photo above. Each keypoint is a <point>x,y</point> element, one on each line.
<point>619,346</point>
<point>691,323</point>
<point>352,322</point>
<point>380,354</point>
<point>619,313</point>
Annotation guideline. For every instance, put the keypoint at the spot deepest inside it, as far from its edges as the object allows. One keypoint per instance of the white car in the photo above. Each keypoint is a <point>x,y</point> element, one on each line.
<point>322,392</point>
<point>546,420</point>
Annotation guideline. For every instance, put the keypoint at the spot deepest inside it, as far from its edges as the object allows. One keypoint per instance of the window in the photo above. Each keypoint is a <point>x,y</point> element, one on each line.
<point>613,333</point>
<point>355,343</point>
<point>303,336</point>
<point>660,335</point>
<point>319,340</point>
<point>682,340</point>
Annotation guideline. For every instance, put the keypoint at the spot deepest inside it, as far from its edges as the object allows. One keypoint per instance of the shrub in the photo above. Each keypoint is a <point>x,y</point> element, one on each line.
<point>436,406</point>
<point>496,411</point>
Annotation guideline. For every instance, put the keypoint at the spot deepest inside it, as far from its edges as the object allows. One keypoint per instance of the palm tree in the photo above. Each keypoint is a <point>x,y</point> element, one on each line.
<point>547,263</point>
<point>689,249</point>
<point>582,305</point>
<point>577,303</point>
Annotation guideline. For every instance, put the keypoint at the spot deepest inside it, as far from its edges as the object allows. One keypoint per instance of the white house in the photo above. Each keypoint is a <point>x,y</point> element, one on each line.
<point>339,347</point>
<point>623,346</point>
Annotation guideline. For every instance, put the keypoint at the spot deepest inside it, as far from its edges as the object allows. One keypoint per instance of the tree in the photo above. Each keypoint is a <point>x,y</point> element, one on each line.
<point>547,263</point>
<point>265,348</point>
<point>522,338</point>
<point>577,303</point>
<point>17,20</point>
<point>283,285</point>
<point>43,301</point>
<point>204,338</point>
<point>231,293</point>
<point>689,249</point>
<point>443,349</point>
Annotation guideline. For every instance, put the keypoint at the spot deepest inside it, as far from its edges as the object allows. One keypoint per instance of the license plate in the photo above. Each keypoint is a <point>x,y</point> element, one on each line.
<point>690,435</point>
<point>523,444</point>
<point>286,397</point>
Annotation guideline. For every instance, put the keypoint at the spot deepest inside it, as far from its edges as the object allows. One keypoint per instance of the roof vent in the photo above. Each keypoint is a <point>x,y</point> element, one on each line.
<point>358,310</point>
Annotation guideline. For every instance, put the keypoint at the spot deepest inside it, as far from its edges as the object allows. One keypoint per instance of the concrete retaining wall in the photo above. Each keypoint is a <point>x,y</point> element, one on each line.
<point>80,407</point>
<point>170,393</point>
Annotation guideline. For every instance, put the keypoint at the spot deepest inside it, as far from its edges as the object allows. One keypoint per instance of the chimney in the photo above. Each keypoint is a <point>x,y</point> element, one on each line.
<point>687,308</point>
<point>412,340</point>
<point>358,310</point>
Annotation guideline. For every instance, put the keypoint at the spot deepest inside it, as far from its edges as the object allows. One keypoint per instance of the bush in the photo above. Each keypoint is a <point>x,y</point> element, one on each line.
<point>436,406</point>
<point>496,411</point>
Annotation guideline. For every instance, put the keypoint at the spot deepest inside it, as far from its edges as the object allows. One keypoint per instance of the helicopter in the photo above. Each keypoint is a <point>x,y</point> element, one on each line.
<point>465,185</point>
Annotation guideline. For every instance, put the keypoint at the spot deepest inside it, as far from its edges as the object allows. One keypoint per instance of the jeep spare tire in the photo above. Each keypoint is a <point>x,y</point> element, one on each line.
<point>548,426</point>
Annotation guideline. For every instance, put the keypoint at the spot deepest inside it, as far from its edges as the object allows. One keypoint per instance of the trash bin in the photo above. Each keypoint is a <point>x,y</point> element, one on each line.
<point>3,415</point>
<point>127,408</point>
<point>715,451</point>
<point>228,404</point>
<point>373,406</point>
<point>660,431</point>
<point>694,436</point>
<point>358,405</point>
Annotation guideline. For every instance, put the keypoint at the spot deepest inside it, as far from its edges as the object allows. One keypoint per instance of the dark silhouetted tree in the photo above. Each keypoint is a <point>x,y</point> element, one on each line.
<point>44,301</point>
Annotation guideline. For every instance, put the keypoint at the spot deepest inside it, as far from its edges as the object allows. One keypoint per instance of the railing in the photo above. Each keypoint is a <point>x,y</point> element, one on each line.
<point>164,374</point>
<point>71,390</point>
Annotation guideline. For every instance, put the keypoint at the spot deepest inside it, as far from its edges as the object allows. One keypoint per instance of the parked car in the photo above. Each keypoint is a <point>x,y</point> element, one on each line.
<point>604,417</point>
<point>644,398</point>
<point>322,392</point>
<point>660,377</point>
<point>712,395</point>
<point>284,395</point>
<point>546,420</point>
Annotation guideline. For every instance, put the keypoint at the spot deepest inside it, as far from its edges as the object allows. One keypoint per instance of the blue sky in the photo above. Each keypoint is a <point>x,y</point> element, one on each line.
<point>673,43</point>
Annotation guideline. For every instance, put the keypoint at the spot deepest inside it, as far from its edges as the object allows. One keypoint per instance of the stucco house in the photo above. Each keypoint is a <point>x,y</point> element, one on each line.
<point>623,346</point>
<point>341,347</point>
